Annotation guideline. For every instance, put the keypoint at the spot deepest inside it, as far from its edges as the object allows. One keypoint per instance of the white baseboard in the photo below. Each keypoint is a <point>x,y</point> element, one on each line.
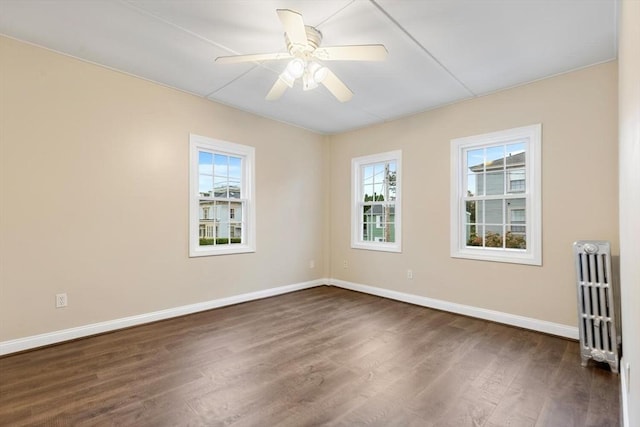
<point>495,316</point>
<point>624,377</point>
<point>27,343</point>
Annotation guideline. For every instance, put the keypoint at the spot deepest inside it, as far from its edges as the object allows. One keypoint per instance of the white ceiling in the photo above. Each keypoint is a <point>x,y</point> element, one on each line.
<point>440,51</point>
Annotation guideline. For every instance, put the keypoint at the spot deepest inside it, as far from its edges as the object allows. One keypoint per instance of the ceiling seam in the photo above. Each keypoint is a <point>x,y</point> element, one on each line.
<point>424,49</point>
<point>334,13</point>
<point>176,26</point>
<point>231,81</point>
<point>199,37</point>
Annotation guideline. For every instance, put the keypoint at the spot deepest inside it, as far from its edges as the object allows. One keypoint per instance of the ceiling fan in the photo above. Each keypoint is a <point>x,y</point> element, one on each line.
<point>303,48</point>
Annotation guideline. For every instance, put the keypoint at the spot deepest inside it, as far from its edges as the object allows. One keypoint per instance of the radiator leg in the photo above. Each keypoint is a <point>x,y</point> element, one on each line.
<point>585,360</point>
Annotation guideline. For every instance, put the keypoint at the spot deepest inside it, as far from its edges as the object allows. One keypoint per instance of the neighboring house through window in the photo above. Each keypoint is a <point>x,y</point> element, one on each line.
<point>222,213</point>
<point>375,213</point>
<point>496,196</point>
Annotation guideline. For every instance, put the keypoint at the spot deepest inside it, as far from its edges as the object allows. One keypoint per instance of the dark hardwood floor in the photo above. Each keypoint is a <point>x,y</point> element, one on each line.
<point>319,356</point>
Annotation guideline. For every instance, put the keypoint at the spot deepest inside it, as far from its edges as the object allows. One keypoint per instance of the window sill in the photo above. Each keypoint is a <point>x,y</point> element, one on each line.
<point>513,256</point>
<point>382,247</point>
<point>240,249</point>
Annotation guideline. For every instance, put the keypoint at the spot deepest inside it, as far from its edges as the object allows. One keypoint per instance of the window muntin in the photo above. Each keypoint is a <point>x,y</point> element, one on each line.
<point>496,196</point>
<point>222,216</point>
<point>376,195</point>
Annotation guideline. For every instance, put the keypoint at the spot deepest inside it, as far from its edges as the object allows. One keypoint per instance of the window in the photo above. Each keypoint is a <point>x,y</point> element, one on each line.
<point>375,213</point>
<point>222,212</point>
<point>496,196</point>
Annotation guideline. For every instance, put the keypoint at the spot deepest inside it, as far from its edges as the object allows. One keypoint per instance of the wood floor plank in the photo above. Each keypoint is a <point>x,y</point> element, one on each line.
<point>322,356</point>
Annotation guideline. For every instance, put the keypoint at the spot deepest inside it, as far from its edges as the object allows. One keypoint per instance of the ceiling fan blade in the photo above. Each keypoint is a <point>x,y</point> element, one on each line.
<point>257,57</point>
<point>278,88</point>
<point>365,52</point>
<point>293,25</point>
<point>337,87</point>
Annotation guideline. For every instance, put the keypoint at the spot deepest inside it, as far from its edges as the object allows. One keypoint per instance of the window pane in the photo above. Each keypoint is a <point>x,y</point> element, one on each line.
<point>480,211</point>
<point>495,183</point>
<point>235,168</point>
<point>205,162</point>
<point>516,181</point>
<point>207,223</point>
<point>220,187</point>
<point>206,209</point>
<point>220,166</point>
<point>368,193</point>
<point>235,231</point>
<point>367,215</point>
<point>234,189</point>
<point>390,234</point>
<point>519,148</point>
<point>493,212</point>
<point>479,190</point>
<point>517,215</point>
<point>493,236</point>
<point>475,161</point>
<point>517,240</point>
<point>205,172</point>
<point>378,195</point>
<point>367,174</point>
<point>475,184</point>
<point>474,235</point>
<point>470,212</point>
<point>495,158</point>
<point>235,211</point>
<point>222,233</point>
<point>392,166</point>
<point>367,231</point>
<point>391,179</point>
<point>378,173</point>
<point>205,185</point>
<point>392,193</point>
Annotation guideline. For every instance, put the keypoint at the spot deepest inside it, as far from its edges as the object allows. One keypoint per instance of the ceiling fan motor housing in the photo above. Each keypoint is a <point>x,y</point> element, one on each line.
<point>314,38</point>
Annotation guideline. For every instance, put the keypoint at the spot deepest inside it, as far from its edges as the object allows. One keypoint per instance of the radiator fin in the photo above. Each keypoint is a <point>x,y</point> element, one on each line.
<point>598,337</point>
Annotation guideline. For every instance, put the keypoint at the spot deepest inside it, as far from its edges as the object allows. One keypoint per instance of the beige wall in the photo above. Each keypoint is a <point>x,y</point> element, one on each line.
<point>94,196</point>
<point>629,90</point>
<point>94,179</point>
<point>578,112</point>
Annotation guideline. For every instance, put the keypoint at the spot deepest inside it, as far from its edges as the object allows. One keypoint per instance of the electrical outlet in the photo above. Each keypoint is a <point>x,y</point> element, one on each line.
<point>345,264</point>
<point>312,264</point>
<point>409,274</point>
<point>61,300</point>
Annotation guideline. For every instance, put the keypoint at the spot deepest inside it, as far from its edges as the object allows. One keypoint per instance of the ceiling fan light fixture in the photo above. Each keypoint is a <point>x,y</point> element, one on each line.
<point>295,68</point>
<point>317,72</point>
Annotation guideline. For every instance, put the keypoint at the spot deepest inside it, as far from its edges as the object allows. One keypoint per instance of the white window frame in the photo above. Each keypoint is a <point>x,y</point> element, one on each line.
<point>199,143</point>
<point>356,192</point>
<point>532,136</point>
